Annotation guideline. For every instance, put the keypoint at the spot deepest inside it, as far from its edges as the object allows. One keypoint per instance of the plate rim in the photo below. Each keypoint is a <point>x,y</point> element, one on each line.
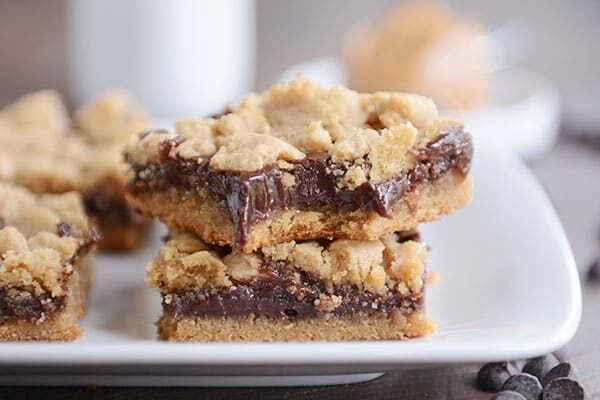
<point>385,353</point>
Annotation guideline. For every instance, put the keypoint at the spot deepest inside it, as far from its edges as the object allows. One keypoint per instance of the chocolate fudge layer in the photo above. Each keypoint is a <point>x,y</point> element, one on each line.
<point>122,228</point>
<point>46,244</point>
<point>376,284</point>
<point>42,149</point>
<point>56,323</point>
<point>303,162</point>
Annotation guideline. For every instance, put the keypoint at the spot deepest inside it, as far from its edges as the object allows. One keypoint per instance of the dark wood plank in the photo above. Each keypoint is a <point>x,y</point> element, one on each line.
<point>451,383</point>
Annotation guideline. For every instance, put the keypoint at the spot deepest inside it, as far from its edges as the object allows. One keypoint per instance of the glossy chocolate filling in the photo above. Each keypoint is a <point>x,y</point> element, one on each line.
<point>17,303</point>
<point>284,291</point>
<point>107,208</point>
<point>249,197</point>
<point>25,306</point>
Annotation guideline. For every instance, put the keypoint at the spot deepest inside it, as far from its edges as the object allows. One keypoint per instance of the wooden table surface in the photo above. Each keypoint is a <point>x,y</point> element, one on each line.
<point>571,175</point>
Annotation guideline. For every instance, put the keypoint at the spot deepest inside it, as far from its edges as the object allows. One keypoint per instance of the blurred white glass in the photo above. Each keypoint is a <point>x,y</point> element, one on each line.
<point>179,58</point>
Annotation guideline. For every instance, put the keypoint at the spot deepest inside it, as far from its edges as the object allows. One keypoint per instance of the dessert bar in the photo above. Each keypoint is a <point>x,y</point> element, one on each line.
<point>299,290</point>
<point>43,150</point>
<point>301,162</point>
<point>46,243</point>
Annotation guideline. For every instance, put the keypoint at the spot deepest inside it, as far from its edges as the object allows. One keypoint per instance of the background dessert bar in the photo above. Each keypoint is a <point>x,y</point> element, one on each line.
<point>46,248</point>
<point>44,150</point>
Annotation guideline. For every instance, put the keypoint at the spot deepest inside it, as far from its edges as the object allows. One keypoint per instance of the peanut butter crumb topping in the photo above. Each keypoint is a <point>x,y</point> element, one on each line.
<point>372,265</point>
<point>294,119</point>
<point>40,236</point>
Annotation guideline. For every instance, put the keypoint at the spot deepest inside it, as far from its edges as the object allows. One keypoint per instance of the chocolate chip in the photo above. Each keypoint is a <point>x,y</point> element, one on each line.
<point>563,389</point>
<point>492,376</point>
<point>508,395</point>
<point>562,370</point>
<point>540,366</point>
<point>2,223</point>
<point>593,273</point>
<point>526,384</point>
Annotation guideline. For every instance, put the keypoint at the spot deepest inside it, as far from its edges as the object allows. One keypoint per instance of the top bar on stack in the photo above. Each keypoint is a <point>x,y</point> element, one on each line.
<point>301,161</point>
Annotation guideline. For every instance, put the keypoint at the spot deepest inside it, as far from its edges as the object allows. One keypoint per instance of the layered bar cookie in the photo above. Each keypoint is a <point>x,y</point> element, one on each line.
<point>301,161</point>
<point>46,243</point>
<point>42,149</point>
<point>298,291</point>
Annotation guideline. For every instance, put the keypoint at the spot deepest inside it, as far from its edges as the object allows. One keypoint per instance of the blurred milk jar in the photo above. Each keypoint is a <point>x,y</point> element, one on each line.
<point>180,58</point>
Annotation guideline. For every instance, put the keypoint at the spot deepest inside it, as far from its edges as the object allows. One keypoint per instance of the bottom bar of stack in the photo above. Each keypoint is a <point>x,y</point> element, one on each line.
<point>296,291</point>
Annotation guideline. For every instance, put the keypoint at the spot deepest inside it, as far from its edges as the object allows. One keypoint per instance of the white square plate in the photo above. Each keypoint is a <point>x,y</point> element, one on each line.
<point>507,289</point>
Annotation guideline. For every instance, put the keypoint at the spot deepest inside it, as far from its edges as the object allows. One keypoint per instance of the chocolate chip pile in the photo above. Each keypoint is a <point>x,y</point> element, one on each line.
<point>540,378</point>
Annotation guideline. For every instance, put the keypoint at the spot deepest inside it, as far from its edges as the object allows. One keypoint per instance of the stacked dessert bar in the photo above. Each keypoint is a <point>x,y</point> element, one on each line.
<point>42,149</point>
<point>293,214</point>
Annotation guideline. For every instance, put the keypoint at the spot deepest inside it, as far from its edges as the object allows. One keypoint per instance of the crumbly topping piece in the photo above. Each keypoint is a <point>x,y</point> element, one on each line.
<point>147,146</point>
<point>372,265</point>
<point>252,151</point>
<point>184,261</point>
<point>405,262</point>
<point>199,138</point>
<point>110,117</point>
<point>357,261</point>
<point>40,150</point>
<point>388,154</point>
<point>40,236</point>
<point>300,117</point>
<point>41,112</point>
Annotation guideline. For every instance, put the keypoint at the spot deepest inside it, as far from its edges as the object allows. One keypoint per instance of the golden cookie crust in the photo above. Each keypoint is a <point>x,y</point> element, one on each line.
<point>264,329</point>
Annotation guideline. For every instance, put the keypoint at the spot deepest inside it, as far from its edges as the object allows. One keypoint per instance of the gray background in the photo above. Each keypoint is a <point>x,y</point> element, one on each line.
<point>564,39</point>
